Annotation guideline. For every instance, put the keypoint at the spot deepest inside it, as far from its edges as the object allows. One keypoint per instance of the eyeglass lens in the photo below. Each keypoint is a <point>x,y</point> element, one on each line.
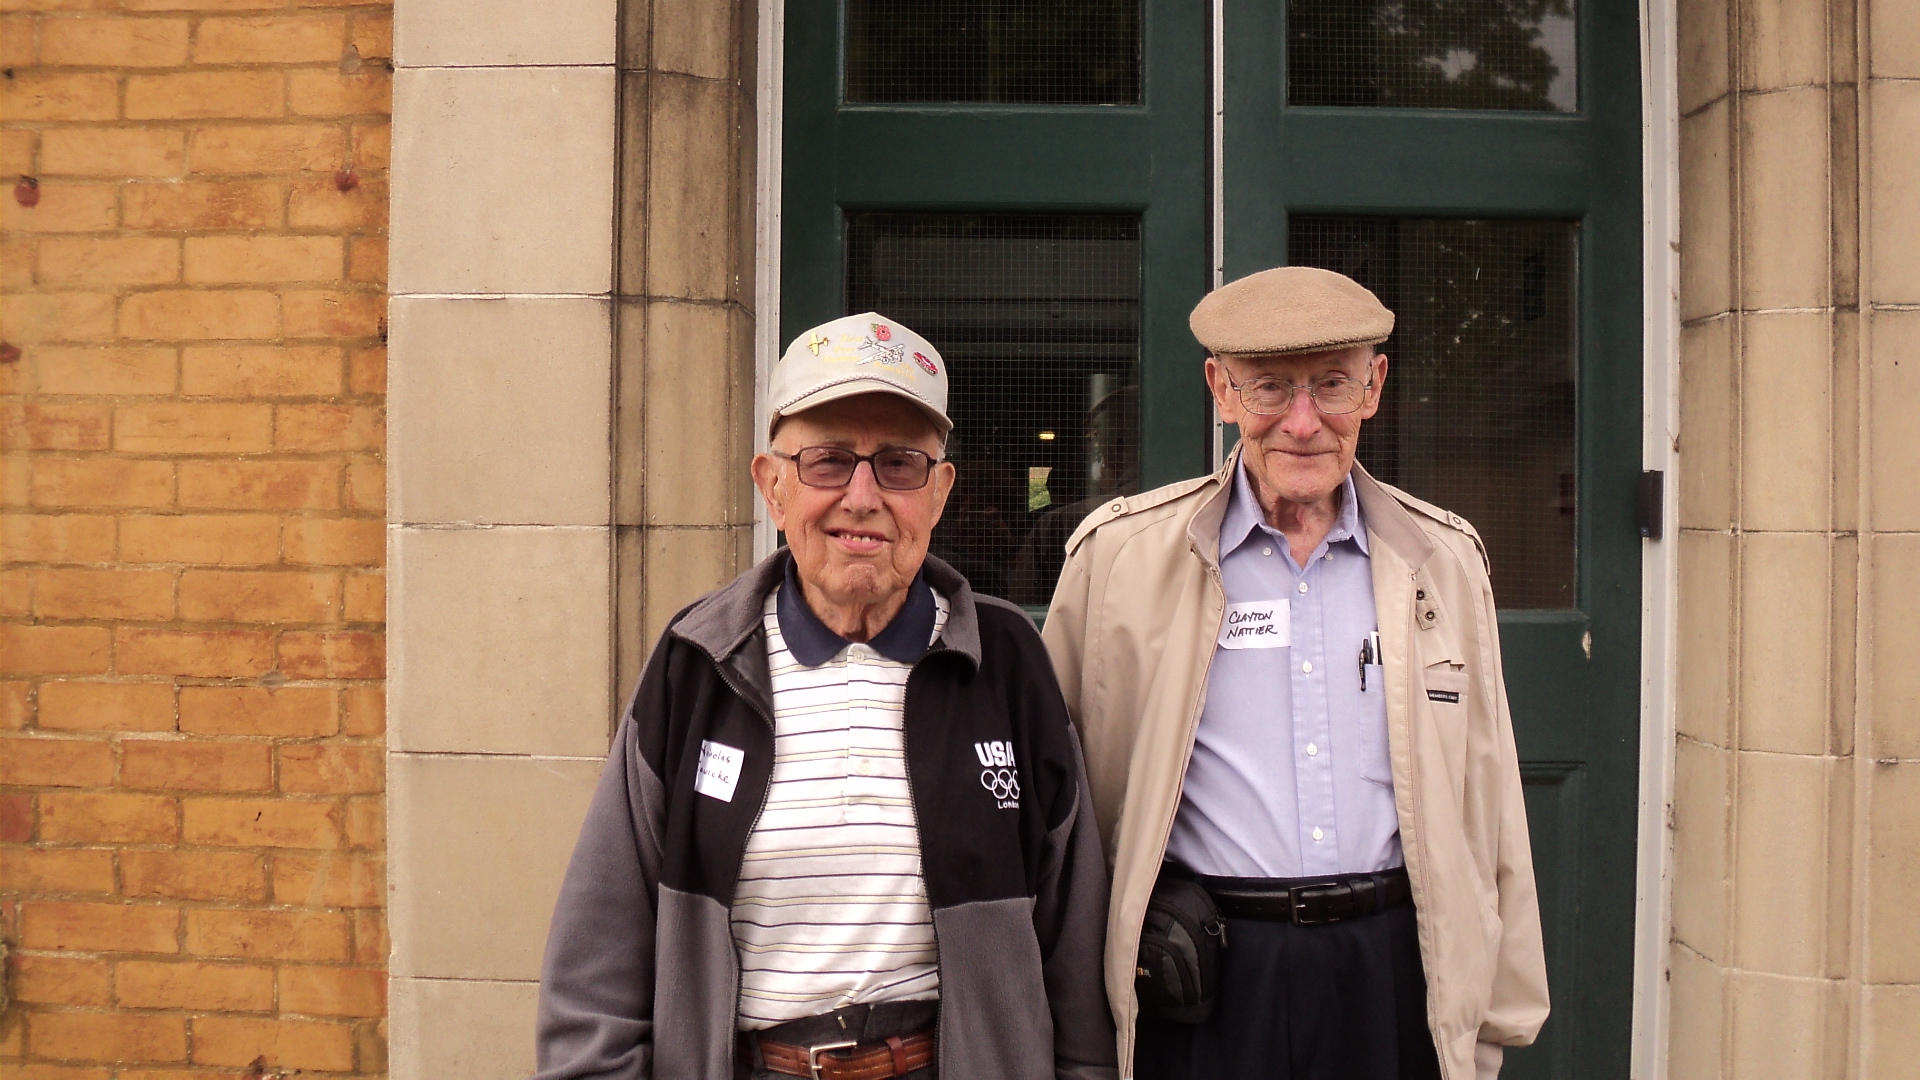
<point>1334,396</point>
<point>896,470</point>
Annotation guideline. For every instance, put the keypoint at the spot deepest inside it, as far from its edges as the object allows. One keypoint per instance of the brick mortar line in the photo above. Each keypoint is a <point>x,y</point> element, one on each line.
<point>495,755</point>
<point>375,68</point>
<point>594,65</point>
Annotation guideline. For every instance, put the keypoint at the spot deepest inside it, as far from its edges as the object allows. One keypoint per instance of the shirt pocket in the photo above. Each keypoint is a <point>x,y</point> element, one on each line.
<point>1376,753</point>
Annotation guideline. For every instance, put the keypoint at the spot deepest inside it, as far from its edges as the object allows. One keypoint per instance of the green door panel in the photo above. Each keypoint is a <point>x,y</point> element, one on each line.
<point>1032,157</point>
<point>1150,159</point>
<point>1572,672</point>
<point>1573,675</point>
<point>1464,164</point>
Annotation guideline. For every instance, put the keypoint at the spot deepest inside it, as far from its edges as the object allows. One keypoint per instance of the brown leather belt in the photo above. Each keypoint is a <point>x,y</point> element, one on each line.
<point>849,1060</point>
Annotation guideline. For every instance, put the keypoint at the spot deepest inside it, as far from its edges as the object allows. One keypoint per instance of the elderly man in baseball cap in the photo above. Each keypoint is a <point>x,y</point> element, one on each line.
<point>1288,678</point>
<point>843,832</point>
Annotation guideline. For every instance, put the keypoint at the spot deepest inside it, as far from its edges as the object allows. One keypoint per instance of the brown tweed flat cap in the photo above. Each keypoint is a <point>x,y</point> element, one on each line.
<point>1289,309</point>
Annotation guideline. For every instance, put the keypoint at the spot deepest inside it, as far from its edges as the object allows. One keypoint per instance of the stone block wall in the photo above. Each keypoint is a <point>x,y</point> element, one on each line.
<point>684,503</point>
<point>192,268</point>
<point>1796,811</point>
<point>572,275</point>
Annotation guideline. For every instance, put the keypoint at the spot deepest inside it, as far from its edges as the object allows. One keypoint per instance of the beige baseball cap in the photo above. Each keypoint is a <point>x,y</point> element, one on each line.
<point>858,354</point>
<point>1291,309</point>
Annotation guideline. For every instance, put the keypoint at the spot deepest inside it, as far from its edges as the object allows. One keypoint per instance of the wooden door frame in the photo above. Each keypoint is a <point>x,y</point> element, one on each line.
<point>1659,592</point>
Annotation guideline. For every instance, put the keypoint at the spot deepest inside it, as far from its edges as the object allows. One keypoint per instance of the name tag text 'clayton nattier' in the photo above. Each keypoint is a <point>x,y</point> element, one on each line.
<point>1257,624</point>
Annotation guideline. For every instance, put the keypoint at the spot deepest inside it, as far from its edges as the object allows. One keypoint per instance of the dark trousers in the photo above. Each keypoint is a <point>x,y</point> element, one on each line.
<point>863,1023</point>
<point>1340,1001</point>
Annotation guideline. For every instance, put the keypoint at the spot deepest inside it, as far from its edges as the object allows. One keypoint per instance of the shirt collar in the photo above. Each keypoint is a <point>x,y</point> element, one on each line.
<point>1244,515</point>
<point>905,640</point>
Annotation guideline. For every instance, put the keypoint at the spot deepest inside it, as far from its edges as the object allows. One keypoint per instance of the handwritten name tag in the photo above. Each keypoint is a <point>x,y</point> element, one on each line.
<point>719,770</point>
<point>1257,624</point>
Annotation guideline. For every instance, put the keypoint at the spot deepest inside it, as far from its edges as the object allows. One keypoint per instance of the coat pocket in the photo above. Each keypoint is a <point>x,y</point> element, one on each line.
<point>1447,688</point>
<point>1447,685</point>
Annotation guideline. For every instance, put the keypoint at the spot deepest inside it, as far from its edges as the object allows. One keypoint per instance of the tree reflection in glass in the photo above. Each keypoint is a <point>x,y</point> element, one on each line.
<point>1434,54</point>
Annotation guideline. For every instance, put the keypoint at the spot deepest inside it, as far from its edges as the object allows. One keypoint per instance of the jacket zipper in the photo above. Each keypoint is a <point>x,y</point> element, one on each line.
<point>766,790</point>
<point>913,807</point>
<point>1413,784</point>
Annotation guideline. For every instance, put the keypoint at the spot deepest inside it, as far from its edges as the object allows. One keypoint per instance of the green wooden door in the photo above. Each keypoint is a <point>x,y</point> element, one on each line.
<point>1478,163</point>
<point>1025,184</point>
<point>1028,184</point>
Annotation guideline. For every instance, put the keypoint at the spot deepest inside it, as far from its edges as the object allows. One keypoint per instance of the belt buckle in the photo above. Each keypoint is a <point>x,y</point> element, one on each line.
<point>1298,895</point>
<point>814,1052</point>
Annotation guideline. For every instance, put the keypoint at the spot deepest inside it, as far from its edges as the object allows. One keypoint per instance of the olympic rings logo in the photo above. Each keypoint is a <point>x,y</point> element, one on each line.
<point>1002,784</point>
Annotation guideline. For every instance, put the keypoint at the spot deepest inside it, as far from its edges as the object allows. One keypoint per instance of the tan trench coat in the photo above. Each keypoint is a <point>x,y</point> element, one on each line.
<point>1132,631</point>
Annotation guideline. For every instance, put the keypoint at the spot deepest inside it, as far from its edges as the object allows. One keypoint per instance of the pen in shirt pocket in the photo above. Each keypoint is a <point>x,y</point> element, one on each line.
<point>1369,654</point>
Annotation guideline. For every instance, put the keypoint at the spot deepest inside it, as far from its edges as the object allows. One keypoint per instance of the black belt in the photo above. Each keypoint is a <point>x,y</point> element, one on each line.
<point>1308,901</point>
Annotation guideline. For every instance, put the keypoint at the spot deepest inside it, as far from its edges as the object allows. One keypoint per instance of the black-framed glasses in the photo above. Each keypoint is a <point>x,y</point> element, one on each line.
<point>1334,395</point>
<point>895,468</point>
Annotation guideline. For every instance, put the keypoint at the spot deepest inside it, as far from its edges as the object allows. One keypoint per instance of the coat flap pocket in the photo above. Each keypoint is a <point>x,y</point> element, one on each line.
<point>1446,683</point>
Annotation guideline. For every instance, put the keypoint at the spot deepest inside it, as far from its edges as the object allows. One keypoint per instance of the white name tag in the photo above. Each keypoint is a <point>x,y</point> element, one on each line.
<point>1258,624</point>
<point>719,770</point>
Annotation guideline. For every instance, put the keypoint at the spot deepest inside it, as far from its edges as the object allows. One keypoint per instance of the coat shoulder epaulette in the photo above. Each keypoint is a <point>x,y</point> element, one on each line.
<point>1443,517</point>
<point>1127,505</point>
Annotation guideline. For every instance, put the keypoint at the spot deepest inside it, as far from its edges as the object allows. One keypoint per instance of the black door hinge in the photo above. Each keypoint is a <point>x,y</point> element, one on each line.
<point>1653,502</point>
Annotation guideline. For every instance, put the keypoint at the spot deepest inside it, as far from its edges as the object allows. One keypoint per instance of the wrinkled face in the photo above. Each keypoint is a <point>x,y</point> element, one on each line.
<point>859,544</point>
<point>1301,455</point>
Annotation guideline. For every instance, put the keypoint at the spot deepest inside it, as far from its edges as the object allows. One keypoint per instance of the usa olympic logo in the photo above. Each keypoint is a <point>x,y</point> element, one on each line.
<point>1002,784</point>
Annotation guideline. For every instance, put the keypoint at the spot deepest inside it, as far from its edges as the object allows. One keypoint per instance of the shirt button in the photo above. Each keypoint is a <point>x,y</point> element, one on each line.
<point>1317,835</point>
<point>1313,750</point>
<point>1303,586</point>
<point>1266,551</point>
<point>1306,667</point>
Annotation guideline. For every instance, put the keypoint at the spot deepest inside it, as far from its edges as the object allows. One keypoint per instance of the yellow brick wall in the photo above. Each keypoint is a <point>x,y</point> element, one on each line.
<point>191,538</point>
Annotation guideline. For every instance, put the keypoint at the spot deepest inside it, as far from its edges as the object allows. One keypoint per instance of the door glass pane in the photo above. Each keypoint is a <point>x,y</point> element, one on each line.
<point>1433,54</point>
<point>1479,410</point>
<point>1030,52</point>
<point>1038,316</point>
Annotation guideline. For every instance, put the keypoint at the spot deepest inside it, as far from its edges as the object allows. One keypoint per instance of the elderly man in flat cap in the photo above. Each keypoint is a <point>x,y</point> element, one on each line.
<point>844,830</point>
<point>1287,678</point>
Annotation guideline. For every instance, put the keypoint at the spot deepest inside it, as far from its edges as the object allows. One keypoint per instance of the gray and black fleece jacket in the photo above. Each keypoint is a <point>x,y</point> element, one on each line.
<point>641,978</point>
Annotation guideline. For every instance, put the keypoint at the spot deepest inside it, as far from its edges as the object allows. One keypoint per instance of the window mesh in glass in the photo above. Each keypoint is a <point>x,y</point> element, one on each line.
<point>1031,52</point>
<point>1434,54</point>
<point>1478,414</point>
<point>1038,317</point>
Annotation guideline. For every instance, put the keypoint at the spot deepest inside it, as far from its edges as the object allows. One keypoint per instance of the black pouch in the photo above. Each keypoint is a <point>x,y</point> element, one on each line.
<point>1177,977</point>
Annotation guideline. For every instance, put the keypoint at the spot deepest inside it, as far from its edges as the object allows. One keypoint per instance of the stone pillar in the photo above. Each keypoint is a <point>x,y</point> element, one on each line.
<point>1792,806</point>
<point>571,402</point>
<point>685,290</point>
<point>1887,843</point>
<point>500,532</point>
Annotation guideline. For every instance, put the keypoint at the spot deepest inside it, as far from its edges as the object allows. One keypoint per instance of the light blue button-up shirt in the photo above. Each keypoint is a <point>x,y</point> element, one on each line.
<point>1290,775</point>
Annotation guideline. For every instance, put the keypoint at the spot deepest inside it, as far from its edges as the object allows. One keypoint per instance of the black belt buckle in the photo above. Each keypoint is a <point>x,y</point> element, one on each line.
<point>1299,895</point>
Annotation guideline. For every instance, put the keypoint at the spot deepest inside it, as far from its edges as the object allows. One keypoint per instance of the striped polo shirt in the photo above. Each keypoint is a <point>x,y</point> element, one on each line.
<point>831,909</point>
